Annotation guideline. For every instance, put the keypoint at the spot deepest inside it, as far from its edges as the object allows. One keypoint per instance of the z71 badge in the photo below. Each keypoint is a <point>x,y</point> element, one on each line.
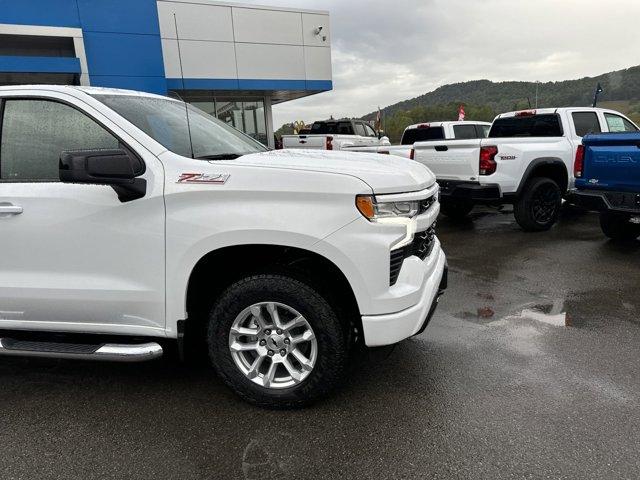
<point>215,178</point>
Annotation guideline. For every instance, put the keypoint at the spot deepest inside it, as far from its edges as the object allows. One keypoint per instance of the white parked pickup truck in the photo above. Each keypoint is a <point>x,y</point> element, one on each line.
<point>124,232</point>
<point>429,132</point>
<point>335,135</point>
<point>527,160</point>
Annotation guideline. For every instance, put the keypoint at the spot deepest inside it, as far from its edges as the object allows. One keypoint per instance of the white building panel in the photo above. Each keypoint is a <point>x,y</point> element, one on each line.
<point>310,24</point>
<point>272,62</point>
<point>195,21</point>
<point>267,26</point>
<point>199,59</point>
<point>317,63</point>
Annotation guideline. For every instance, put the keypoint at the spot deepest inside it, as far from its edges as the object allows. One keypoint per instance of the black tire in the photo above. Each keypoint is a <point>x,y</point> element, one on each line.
<point>617,226</point>
<point>329,332</point>
<point>538,207</point>
<point>456,209</point>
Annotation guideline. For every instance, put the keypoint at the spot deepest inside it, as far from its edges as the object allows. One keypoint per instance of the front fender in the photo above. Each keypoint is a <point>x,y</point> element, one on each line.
<point>181,268</point>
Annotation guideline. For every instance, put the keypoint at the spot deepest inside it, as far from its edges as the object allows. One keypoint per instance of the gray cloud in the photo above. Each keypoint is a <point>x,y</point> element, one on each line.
<point>384,52</point>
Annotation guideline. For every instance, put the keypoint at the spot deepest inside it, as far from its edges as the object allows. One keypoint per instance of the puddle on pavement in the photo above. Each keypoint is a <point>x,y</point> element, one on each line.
<point>554,313</point>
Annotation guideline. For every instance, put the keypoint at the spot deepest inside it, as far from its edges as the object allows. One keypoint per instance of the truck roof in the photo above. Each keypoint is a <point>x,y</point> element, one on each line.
<point>547,111</point>
<point>442,124</point>
<point>74,89</point>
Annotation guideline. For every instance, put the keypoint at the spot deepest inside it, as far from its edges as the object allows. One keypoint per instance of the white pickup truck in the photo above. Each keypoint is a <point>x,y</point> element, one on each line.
<point>527,160</point>
<point>429,132</point>
<point>127,229</point>
<point>335,135</point>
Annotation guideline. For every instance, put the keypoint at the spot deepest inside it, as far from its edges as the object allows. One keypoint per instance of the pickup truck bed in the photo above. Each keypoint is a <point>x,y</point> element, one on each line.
<point>607,171</point>
<point>430,132</point>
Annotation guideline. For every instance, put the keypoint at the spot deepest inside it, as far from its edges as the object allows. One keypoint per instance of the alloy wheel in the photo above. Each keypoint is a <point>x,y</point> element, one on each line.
<point>273,345</point>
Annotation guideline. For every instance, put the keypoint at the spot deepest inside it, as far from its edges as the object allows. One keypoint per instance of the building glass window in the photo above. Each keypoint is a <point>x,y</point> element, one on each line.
<point>246,114</point>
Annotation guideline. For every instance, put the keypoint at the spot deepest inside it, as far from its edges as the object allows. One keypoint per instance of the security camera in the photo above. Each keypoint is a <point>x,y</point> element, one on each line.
<point>318,30</point>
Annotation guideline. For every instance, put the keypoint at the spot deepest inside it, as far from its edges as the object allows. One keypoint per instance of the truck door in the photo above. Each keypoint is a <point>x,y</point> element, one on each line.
<point>74,257</point>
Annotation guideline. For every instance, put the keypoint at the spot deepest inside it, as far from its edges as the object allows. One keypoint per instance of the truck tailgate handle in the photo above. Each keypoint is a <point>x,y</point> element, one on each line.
<point>10,209</point>
<point>441,148</point>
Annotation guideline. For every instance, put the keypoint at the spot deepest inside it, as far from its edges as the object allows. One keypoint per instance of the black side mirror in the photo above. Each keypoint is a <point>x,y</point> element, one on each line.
<point>116,168</point>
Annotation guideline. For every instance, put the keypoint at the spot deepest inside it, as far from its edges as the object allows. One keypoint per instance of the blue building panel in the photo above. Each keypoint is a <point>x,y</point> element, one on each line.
<point>119,16</point>
<point>123,54</point>
<point>11,64</point>
<point>320,85</point>
<point>51,13</point>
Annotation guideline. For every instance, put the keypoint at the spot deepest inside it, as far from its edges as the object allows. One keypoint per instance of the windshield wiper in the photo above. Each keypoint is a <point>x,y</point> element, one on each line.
<point>220,156</point>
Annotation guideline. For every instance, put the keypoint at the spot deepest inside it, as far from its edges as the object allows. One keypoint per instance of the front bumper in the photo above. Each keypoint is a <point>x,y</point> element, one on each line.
<point>603,201</point>
<point>391,328</point>
<point>474,191</point>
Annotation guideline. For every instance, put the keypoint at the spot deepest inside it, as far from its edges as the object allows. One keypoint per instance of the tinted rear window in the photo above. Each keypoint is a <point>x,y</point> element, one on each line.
<point>586,122</point>
<point>547,125</point>
<point>422,135</point>
<point>332,128</point>
<point>462,132</point>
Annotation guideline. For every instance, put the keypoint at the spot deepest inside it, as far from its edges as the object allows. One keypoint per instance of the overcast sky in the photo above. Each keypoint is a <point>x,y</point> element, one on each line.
<point>392,50</point>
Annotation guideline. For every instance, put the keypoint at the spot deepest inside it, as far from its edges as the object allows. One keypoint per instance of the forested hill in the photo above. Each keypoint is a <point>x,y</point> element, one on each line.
<point>485,98</point>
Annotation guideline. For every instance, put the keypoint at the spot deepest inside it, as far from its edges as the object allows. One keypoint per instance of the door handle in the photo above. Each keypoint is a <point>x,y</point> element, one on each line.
<point>441,148</point>
<point>10,209</point>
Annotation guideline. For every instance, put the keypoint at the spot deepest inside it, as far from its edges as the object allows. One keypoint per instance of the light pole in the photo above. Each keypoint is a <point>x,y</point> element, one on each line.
<point>537,82</point>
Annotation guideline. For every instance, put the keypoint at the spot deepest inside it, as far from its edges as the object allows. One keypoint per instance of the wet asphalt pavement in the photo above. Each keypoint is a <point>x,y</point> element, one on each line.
<point>498,386</point>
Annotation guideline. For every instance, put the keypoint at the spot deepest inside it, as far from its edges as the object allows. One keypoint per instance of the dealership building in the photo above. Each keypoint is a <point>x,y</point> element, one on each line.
<point>233,61</point>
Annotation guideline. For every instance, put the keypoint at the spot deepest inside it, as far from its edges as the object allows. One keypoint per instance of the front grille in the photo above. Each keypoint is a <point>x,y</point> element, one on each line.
<point>426,204</point>
<point>422,243</point>
<point>421,247</point>
<point>397,257</point>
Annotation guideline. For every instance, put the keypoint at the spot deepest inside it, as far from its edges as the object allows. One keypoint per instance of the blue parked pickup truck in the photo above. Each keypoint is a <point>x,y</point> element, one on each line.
<point>607,172</point>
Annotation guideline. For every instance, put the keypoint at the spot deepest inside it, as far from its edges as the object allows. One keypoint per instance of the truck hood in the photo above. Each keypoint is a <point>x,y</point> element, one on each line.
<point>383,173</point>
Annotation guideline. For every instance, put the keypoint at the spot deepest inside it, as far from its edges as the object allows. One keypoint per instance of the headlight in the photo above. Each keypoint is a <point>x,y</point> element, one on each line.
<point>373,210</point>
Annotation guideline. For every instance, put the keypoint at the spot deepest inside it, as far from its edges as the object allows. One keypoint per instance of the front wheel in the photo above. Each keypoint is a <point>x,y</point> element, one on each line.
<point>538,207</point>
<point>617,226</point>
<point>276,342</point>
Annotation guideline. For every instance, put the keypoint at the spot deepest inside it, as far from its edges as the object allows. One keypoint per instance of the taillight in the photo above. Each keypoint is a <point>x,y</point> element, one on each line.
<point>412,154</point>
<point>329,143</point>
<point>578,165</point>
<point>525,113</point>
<point>487,160</point>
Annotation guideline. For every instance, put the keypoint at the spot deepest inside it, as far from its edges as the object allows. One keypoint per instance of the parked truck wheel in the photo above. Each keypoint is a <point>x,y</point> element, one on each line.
<point>617,226</point>
<point>456,209</point>
<point>276,341</point>
<point>538,207</point>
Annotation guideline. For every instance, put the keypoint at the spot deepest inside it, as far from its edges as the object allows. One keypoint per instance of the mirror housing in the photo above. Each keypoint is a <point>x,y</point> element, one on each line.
<point>116,168</point>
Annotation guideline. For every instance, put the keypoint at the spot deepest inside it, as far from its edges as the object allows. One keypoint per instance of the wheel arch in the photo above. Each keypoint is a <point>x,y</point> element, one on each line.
<point>205,283</point>
<point>550,167</point>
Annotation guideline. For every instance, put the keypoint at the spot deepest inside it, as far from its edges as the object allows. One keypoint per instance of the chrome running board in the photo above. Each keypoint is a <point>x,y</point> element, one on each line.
<point>110,352</point>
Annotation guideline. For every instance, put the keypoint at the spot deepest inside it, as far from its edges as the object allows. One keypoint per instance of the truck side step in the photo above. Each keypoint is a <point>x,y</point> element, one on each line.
<point>111,352</point>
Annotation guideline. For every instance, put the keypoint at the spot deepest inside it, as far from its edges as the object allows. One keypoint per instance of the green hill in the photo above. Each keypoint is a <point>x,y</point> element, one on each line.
<point>483,99</point>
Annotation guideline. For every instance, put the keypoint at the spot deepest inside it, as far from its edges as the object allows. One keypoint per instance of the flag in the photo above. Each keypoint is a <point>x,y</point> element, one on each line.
<point>461,113</point>
<point>378,124</point>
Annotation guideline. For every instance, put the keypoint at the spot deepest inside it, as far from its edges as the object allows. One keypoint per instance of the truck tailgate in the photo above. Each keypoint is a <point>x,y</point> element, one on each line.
<point>612,160</point>
<point>450,159</point>
<point>304,141</point>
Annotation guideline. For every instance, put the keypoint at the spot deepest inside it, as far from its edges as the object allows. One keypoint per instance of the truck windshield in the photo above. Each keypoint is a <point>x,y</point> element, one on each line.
<point>165,121</point>
<point>422,134</point>
<point>543,125</point>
